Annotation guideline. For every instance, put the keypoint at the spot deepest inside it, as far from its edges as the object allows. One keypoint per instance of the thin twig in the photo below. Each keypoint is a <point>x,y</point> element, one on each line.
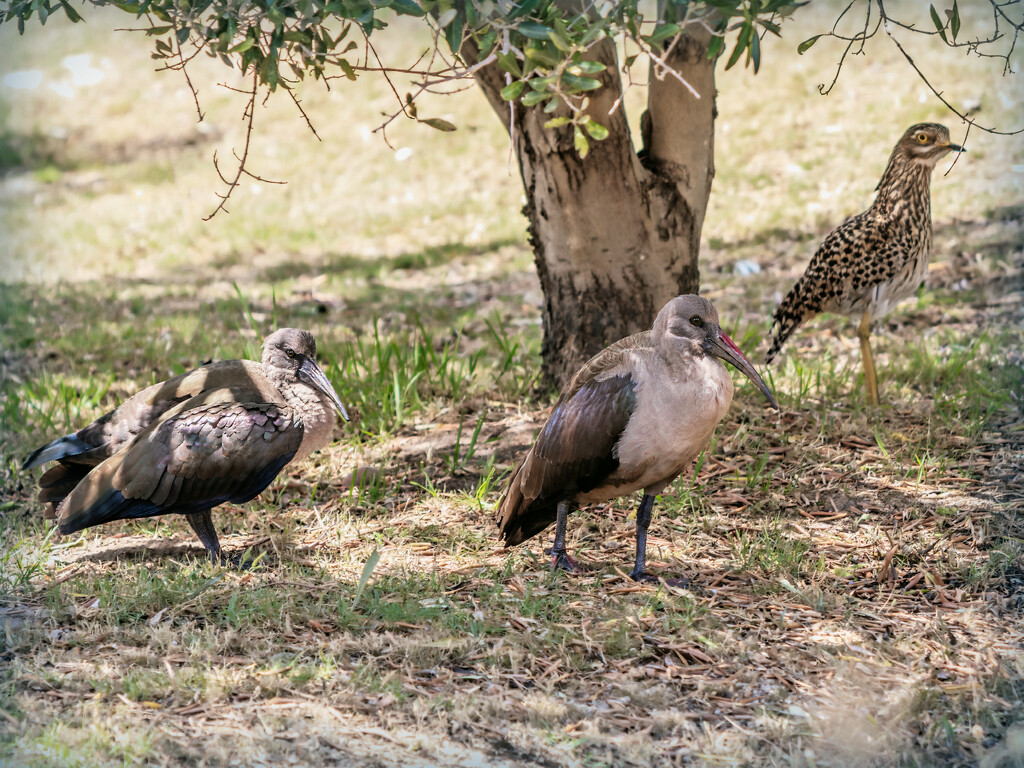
<point>249,115</point>
<point>298,106</point>
<point>937,93</point>
<point>188,80</point>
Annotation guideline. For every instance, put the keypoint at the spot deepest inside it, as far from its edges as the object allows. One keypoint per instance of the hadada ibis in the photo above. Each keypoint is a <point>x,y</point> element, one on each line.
<point>632,418</point>
<point>218,434</point>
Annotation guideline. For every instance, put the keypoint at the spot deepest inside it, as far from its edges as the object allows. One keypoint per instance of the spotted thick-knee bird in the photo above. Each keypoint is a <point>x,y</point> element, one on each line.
<point>874,260</point>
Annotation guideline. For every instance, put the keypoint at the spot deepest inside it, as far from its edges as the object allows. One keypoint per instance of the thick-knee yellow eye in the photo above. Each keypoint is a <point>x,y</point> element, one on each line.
<point>923,138</point>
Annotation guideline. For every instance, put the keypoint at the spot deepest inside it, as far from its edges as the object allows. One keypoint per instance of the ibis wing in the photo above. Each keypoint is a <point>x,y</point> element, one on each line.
<point>573,454</point>
<point>190,461</point>
<point>80,451</point>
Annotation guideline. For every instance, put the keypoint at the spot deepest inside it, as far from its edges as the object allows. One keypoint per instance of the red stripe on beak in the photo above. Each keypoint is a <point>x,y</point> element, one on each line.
<point>727,340</point>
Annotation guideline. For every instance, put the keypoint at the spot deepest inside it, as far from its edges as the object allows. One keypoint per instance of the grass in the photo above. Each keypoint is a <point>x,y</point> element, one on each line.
<point>857,572</point>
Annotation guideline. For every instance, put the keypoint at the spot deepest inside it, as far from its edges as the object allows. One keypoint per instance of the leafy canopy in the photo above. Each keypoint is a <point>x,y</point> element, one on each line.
<point>541,45</point>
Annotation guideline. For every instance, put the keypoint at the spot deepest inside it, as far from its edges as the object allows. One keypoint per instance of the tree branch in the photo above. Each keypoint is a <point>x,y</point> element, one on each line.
<point>249,115</point>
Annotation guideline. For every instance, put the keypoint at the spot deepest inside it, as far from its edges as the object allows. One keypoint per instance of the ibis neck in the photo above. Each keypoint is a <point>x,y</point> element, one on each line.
<point>312,408</point>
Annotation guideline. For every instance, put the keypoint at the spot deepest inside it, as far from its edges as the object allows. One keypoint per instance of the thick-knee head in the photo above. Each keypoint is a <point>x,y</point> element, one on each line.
<point>927,143</point>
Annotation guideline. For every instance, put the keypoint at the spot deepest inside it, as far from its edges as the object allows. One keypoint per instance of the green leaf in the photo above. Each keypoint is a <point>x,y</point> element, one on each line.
<point>486,42</point>
<point>662,32</point>
<point>508,62</point>
<point>154,31</point>
<point>245,45</point>
<point>535,97</point>
<point>181,35</point>
<point>364,578</point>
<point>438,123</point>
<point>513,90</point>
<point>534,31</point>
<point>447,18</point>
<point>939,26</point>
<point>755,51</point>
<point>559,42</point>
<point>347,69</point>
<point>544,54</point>
<point>593,33</point>
<point>268,71</point>
<point>741,44</point>
<point>954,21</point>
<point>806,44</point>
<point>575,84</point>
<point>407,8</point>
<point>580,142</point>
<point>71,12</point>
<point>597,131</point>
<point>588,67</point>
<point>453,34</point>
<point>557,122</point>
<point>524,8</point>
<point>252,56</point>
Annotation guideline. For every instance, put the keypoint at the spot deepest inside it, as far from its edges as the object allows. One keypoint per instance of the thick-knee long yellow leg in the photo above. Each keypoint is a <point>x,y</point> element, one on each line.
<point>870,382</point>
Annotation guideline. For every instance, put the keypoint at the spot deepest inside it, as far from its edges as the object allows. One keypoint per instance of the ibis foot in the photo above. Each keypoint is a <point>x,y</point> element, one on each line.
<point>643,577</point>
<point>562,561</point>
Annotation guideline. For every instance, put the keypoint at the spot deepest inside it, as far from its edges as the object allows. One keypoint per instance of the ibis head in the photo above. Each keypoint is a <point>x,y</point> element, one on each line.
<point>293,352</point>
<point>690,323</point>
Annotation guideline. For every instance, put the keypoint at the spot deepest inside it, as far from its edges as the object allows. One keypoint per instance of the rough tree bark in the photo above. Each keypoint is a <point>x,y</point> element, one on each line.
<point>616,234</point>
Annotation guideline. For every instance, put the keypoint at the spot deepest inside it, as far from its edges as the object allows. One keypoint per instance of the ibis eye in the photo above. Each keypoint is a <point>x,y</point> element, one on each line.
<point>290,352</point>
<point>697,321</point>
<point>923,138</point>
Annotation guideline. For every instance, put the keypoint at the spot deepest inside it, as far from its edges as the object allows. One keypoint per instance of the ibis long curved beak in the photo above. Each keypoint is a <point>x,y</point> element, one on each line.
<point>720,345</point>
<point>310,372</point>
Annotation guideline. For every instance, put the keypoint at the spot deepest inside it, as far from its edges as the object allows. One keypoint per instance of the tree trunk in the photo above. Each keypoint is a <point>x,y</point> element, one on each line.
<point>614,236</point>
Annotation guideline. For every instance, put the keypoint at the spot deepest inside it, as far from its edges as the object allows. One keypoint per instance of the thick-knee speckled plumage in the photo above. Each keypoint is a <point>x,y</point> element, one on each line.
<point>220,433</point>
<point>875,259</point>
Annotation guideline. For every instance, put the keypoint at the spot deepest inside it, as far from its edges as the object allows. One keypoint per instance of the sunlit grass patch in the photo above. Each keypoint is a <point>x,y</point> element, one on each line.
<point>83,745</point>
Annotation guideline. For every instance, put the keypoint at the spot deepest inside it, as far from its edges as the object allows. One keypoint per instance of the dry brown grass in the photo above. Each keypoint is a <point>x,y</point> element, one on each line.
<point>858,575</point>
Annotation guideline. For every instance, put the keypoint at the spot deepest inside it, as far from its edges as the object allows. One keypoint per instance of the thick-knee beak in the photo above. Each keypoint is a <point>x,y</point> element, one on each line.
<point>722,346</point>
<point>312,374</point>
<point>955,147</point>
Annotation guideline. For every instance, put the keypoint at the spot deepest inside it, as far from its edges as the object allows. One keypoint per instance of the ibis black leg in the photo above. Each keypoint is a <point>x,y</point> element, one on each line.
<point>560,558</point>
<point>202,524</point>
<point>643,522</point>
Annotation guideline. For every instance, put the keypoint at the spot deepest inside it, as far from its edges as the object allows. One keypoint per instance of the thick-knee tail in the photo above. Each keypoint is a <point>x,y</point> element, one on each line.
<point>787,318</point>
